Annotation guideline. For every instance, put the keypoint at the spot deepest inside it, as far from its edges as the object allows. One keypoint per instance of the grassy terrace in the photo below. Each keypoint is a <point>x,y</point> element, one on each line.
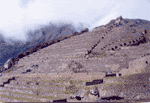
<point>20,98</point>
<point>47,97</point>
<point>134,79</point>
<point>71,89</point>
<point>75,84</point>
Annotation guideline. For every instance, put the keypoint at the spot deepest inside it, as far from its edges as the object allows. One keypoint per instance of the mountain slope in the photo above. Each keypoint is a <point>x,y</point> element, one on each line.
<point>111,47</point>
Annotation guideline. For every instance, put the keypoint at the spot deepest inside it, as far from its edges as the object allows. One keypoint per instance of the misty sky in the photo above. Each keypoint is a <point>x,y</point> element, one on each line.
<point>19,16</point>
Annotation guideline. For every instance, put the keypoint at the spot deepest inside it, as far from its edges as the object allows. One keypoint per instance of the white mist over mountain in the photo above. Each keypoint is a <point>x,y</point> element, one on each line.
<point>19,16</point>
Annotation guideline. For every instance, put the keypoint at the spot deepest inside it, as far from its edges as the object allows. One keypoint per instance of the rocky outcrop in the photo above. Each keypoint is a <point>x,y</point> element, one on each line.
<point>118,20</point>
<point>9,63</point>
<point>94,94</point>
<point>80,94</point>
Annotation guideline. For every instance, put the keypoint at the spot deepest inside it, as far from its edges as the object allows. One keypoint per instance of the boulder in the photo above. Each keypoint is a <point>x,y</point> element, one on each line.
<point>94,91</point>
<point>80,94</point>
<point>9,63</point>
<point>118,20</point>
<point>118,74</point>
<point>94,94</point>
<point>1,68</point>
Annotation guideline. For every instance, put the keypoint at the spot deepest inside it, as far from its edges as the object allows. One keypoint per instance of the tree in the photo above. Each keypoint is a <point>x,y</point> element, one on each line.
<point>32,50</point>
<point>38,46</point>
<point>27,52</point>
<point>44,44</point>
<point>21,55</point>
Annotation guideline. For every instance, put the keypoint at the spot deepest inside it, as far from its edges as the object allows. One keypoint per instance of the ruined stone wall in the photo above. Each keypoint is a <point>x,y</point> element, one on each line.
<point>119,33</point>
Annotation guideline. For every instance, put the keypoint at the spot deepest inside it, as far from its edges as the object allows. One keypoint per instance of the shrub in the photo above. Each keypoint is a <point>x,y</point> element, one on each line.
<point>65,37</point>
<point>51,42</point>
<point>61,38</point>
<point>69,36</point>
<point>13,60</point>
<point>21,55</point>
<point>56,41</point>
<point>38,46</point>
<point>27,52</point>
<point>75,33</point>
<point>34,49</point>
<point>16,59</point>
<point>44,44</point>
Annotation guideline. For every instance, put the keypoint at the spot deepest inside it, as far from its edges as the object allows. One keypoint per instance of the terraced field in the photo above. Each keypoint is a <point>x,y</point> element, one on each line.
<point>50,74</point>
<point>42,87</point>
<point>48,87</point>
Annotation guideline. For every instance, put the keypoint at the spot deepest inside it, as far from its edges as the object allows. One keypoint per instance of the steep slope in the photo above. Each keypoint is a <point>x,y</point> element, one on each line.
<point>111,47</point>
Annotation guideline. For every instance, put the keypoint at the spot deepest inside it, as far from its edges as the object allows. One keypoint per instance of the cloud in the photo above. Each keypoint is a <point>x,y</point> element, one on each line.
<point>113,13</point>
<point>19,16</point>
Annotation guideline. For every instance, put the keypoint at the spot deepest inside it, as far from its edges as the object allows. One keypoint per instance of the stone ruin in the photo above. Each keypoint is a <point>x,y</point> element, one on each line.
<point>111,74</point>
<point>117,38</point>
<point>94,82</point>
<point>80,94</point>
<point>60,100</point>
<point>94,91</point>
<point>119,33</point>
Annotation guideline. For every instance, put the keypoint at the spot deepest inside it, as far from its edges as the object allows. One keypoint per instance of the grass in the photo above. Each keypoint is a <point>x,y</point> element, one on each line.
<point>20,98</point>
<point>134,79</point>
<point>98,54</point>
<point>78,77</point>
<point>43,90</point>
<point>33,95</point>
<point>45,85</point>
<point>71,89</point>
<point>111,85</point>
